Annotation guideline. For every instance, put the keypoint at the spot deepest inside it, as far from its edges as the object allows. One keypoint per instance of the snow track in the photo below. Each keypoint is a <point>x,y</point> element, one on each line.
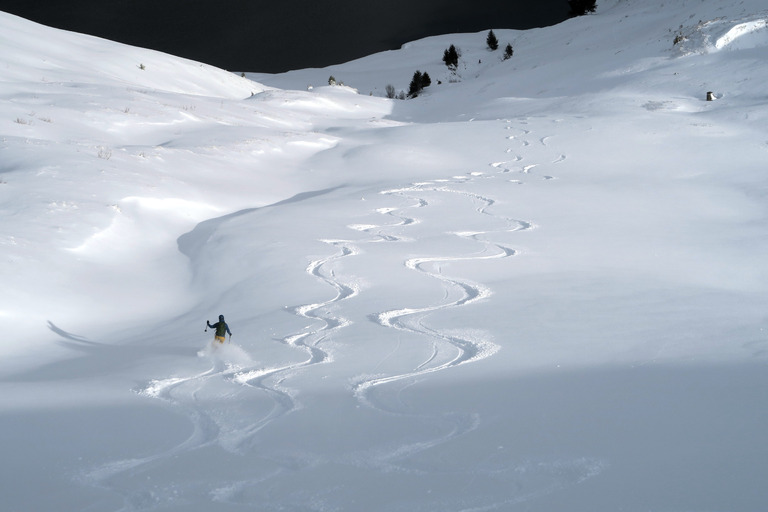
<point>486,236</point>
<point>449,349</point>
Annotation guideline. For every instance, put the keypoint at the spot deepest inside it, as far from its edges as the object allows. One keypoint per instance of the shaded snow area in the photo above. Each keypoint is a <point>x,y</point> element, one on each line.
<point>539,286</point>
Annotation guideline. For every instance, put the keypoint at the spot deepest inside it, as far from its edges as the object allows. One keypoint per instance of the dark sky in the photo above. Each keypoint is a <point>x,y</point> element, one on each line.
<point>279,35</point>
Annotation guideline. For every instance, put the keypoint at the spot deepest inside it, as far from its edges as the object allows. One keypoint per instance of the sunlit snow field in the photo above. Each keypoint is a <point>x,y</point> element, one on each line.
<point>541,285</point>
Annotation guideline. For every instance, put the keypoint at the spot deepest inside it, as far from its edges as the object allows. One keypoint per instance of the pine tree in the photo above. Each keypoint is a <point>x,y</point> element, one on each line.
<point>491,41</point>
<point>418,83</point>
<point>508,52</point>
<point>581,7</point>
<point>451,57</point>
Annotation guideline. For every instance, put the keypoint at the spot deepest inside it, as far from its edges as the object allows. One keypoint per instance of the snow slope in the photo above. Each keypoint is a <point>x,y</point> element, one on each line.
<point>538,286</point>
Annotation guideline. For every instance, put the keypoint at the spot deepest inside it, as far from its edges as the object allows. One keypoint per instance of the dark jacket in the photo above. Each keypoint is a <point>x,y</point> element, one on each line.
<point>220,326</point>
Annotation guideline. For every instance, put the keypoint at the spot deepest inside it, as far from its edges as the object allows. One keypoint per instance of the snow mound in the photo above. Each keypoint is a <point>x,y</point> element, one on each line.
<point>749,34</point>
<point>724,34</point>
<point>59,56</point>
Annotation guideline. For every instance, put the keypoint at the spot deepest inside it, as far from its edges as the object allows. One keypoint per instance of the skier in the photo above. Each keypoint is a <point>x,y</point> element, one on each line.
<point>221,329</point>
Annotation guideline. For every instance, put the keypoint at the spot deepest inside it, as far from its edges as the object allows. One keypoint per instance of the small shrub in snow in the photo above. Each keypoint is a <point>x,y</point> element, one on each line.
<point>104,153</point>
<point>390,91</point>
<point>331,80</point>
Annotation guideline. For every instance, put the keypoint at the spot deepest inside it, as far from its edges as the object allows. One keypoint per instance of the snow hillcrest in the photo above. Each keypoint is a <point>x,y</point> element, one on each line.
<point>541,285</point>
